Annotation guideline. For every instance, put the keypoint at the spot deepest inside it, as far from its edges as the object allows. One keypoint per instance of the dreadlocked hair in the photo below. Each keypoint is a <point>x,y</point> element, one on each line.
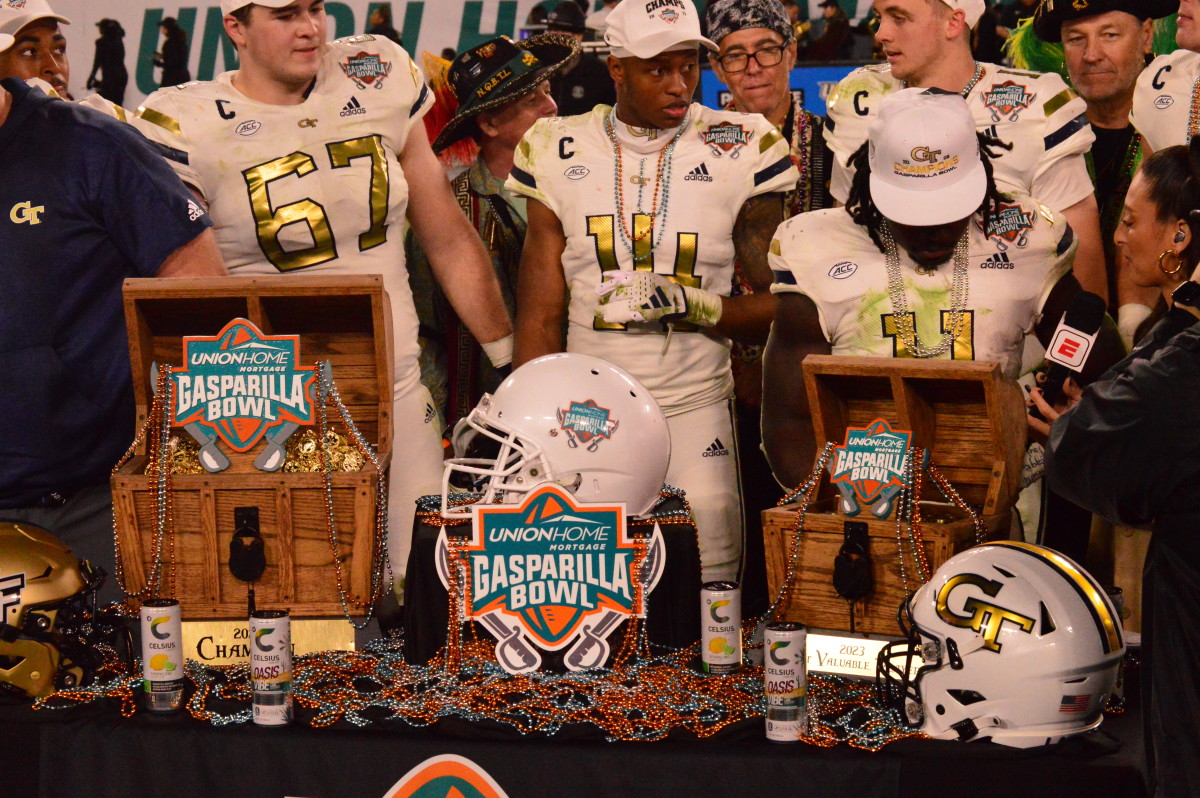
<point>862,208</point>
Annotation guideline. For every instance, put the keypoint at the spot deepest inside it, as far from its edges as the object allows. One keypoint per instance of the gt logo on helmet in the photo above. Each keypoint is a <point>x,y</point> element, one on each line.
<point>10,594</point>
<point>984,617</point>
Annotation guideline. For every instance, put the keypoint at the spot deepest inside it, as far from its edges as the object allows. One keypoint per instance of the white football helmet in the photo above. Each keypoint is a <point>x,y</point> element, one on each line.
<point>568,418</point>
<point>1015,643</point>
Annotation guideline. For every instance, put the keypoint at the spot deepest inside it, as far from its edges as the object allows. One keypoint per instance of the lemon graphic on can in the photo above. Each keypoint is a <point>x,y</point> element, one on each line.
<point>161,662</point>
<point>719,645</point>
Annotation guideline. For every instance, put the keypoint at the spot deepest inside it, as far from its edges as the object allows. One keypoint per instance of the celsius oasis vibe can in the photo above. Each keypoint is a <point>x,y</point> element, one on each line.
<point>271,666</point>
<point>785,678</point>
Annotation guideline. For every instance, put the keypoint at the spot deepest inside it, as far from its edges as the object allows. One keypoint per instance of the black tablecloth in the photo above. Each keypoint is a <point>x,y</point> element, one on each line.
<point>93,751</point>
<point>673,611</point>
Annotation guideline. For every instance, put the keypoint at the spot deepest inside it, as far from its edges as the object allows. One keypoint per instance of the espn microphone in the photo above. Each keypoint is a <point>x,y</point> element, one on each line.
<point>1073,341</point>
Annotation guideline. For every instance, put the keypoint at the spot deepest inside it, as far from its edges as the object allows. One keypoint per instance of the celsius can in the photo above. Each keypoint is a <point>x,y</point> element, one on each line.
<point>162,655</point>
<point>720,627</point>
<point>786,681</point>
<point>271,666</point>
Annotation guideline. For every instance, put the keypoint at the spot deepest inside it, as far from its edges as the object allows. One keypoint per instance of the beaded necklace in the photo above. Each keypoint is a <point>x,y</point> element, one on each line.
<point>1194,112</point>
<point>900,313</point>
<point>662,179</point>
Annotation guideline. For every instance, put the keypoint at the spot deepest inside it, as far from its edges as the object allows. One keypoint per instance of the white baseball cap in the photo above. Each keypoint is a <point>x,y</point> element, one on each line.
<point>229,6</point>
<point>972,10</point>
<point>925,163</point>
<point>646,28</point>
<point>16,14</point>
<point>6,41</point>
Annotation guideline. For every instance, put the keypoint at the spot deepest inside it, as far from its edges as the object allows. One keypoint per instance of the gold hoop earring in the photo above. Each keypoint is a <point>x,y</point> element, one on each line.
<point>1178,262</point>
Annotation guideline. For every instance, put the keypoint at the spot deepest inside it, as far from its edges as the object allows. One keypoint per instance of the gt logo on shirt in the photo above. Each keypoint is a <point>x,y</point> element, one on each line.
<point>26,212</point>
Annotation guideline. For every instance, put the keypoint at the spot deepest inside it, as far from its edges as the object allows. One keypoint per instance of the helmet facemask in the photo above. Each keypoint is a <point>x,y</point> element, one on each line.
<point>518,466</point>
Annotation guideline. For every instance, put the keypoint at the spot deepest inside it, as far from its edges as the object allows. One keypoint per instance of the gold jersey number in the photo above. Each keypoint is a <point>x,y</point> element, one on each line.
<point>602,231</point>
<point>964,342</point>
<point>269,221</point>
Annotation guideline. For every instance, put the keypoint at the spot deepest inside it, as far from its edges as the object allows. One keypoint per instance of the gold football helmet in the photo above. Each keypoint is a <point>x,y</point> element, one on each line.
<point>50,634</point>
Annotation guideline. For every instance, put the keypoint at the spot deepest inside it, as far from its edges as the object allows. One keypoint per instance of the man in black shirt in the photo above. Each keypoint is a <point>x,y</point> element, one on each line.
<point>587,84</point>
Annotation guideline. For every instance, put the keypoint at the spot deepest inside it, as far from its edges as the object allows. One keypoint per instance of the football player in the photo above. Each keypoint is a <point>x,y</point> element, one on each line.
<point>308,156</point>
<point>1042,122</point>
<point>927,259</point>
<point>40,49</point>
<point>635,214</point>
<point>1164,100</point>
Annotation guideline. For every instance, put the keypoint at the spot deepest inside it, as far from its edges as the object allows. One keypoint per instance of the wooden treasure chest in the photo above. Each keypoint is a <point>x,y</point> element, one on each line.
<point>312,567</point>
<point>967,415</point>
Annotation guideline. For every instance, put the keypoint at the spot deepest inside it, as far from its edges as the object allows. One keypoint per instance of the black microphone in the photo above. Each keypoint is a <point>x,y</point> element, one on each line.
<point>1072,343</point>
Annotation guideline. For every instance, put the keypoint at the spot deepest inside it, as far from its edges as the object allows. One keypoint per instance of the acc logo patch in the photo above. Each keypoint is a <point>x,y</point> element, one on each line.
<point>1007,99</point>
<point>1010,223</point>
<point>869,468</point>
<point>1163,101</point>
<point>578,172</point>
<point>551,574</point>
<point>248,128</point>
<point>446,776</point>
<point>726,138</point>
<point>366,69</point>
<point>239,384</point>
<point>840,271</point>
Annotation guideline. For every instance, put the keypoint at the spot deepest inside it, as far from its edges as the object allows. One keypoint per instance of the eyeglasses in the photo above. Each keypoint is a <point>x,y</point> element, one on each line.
<point>766,57</point>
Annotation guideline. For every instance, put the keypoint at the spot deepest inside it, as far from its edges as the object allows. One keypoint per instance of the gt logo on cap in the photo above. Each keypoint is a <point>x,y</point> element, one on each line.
<point>920,154</point>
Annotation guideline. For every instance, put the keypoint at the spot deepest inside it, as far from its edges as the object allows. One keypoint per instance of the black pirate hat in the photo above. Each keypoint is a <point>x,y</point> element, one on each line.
<point>499,71</point>
<point>1051,14</point>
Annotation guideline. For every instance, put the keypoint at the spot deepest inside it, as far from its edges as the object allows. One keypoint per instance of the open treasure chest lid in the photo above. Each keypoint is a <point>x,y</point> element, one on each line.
<point>345,320</point>
<point>970,417</point>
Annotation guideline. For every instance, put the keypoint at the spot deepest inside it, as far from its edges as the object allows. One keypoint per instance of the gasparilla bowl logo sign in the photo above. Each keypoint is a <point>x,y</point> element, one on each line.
<point>240,383</point>
<point>551,573</point>
<point>869,468</point>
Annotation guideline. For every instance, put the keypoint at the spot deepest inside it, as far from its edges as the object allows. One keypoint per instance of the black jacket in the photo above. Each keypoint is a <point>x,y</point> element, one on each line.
<point>1130,451</point>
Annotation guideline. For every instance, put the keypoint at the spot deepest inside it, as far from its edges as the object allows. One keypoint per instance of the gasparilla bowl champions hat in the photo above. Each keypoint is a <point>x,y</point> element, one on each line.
<point>16,14</point>
<point>646,28</point>
<point>926,168</point>
<point>229,6</point>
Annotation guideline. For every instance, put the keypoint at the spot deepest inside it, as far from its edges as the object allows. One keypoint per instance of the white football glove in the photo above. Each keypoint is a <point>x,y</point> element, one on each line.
<point>645,296</point>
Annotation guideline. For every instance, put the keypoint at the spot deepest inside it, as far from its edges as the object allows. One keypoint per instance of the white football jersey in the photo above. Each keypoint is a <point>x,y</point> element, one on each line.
<point>1036,113</point>
<point>831,260</point>
<point>314,188</point>
<point>721,159</point>
<point>1162,99</point>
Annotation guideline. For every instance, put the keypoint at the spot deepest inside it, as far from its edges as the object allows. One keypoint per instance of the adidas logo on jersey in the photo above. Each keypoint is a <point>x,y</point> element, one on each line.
<point>194,211</point>
<point>998,261</point>
<point>352,108</point>
<point>699,173</point>
<point>716,448</point>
